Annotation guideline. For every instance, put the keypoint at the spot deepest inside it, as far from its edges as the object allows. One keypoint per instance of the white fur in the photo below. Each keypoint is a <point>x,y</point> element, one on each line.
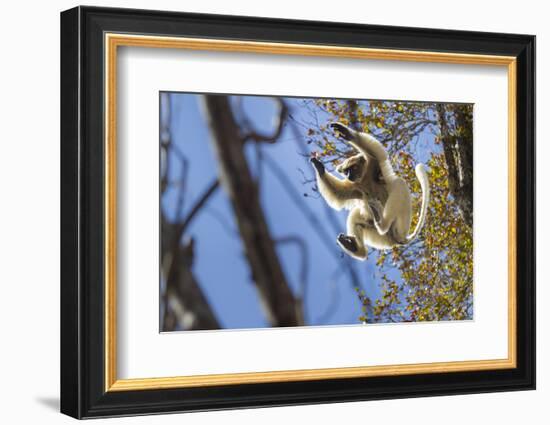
<point>389,224</point>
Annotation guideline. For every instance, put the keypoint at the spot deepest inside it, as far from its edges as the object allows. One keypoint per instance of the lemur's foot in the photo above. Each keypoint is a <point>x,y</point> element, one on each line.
<point>318,166</point>
<point>347,242</point>
<point>343,131</point>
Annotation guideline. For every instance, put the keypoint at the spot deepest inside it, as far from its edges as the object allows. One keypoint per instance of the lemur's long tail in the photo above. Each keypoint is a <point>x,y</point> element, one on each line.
<point>422,176</point>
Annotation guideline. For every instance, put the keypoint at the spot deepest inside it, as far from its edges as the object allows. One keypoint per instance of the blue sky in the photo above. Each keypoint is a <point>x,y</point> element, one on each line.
<point>220,266</point>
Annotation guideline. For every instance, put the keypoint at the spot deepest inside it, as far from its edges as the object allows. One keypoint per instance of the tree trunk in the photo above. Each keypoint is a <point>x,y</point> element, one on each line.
<point>185,306</point>
<point>458,150</point>
<point>278,302</point>
<point>185,302</point>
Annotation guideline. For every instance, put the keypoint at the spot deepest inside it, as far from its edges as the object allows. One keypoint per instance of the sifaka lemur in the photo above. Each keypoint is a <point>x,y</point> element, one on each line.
<point>379,201</point>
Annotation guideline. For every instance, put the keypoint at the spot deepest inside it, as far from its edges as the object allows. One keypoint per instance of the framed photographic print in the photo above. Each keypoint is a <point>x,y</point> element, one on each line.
<point>262,212</point>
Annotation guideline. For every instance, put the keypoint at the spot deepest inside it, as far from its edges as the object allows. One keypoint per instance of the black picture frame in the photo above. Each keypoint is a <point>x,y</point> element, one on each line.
<point>83,392</point>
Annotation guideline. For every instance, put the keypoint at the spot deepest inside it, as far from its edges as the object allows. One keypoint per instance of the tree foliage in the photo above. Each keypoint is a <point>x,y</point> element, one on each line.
<point>432,278</point>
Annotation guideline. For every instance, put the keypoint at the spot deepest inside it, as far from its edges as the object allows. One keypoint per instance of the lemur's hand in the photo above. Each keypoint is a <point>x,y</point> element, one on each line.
<point>343,131</point>
<point>318,165</point>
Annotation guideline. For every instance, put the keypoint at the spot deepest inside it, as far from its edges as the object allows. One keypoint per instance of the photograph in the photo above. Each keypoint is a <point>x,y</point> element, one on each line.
<point>301,208</point>
<point>281,211</point>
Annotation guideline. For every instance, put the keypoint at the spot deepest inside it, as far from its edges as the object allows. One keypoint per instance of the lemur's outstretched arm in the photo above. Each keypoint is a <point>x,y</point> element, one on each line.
<point>368,146</point>
<point>338,193</point>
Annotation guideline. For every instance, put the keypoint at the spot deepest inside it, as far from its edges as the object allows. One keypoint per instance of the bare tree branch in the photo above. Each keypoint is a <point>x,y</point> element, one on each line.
<point>304,268</point>
<point>184,297</point>
<point>304,255</point>
<point>208,192</point>
<point>235,176</point>
<point>185,306</point>
<point>270,138</point>
<point>183,181</point>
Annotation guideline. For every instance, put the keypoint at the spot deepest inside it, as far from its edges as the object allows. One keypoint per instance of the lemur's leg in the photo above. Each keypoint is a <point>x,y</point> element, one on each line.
<point>384,224</point>
<point>374,208</point>
<point>368,146</point>
<point>335,191</point>
<point>397,211</point>
<point>352,243</point>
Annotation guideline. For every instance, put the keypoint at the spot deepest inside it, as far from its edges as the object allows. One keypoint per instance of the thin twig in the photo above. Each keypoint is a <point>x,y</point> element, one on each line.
<point>211,188</point>
<point>254,135</point>
<point>302,247</point>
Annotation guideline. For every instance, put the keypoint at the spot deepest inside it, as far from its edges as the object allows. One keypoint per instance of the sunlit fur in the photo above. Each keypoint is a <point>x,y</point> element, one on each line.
<point>379,201</point>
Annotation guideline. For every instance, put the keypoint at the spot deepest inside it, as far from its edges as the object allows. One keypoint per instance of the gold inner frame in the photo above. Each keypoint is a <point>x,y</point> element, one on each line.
<point>113,41</point>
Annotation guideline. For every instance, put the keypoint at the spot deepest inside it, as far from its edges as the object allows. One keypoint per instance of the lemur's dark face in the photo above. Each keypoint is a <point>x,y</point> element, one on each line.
<point>352,168</point>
